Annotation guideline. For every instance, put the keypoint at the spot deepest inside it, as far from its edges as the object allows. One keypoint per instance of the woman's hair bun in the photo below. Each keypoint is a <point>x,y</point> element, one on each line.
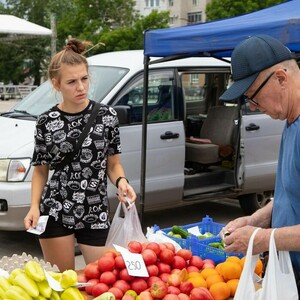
<point>77,45</point>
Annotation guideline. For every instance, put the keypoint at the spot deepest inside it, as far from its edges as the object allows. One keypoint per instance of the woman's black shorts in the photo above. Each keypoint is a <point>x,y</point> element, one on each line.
<point>91,237</point>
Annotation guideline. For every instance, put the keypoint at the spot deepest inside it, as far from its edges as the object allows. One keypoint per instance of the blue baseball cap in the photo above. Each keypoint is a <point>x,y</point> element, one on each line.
<point>249,58</point>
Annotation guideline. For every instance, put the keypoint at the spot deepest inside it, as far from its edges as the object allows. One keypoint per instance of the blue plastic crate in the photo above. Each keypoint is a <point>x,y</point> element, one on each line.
<point>202,249</point>
<point>200,246</point>
<point>207,225</point>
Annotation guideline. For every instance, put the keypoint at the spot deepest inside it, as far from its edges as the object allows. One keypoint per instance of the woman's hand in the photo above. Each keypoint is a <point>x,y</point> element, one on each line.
<point>126,190</point>
<point>31,219</point>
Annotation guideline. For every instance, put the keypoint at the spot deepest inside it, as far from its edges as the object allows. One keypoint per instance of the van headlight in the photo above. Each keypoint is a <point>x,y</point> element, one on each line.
<point>14,169</point>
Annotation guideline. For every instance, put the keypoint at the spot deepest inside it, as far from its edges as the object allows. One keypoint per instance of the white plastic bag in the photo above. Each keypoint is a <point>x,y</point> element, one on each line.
<point>125,227</point>
<point>160,237</point>
<point>279,281</point>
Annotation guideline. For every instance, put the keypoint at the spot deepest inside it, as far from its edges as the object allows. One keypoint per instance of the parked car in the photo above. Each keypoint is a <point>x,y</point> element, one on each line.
<point>197,147</point>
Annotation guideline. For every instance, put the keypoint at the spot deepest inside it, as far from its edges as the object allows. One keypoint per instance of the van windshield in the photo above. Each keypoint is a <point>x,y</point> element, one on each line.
<point>103,79</point>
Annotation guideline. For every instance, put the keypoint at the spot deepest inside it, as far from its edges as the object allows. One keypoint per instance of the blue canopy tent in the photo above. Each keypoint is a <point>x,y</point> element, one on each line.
<point>217,39</point>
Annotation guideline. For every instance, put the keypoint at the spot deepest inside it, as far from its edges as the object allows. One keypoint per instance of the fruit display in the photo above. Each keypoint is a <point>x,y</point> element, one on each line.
<point>173,275</point>
<point>30,282</point>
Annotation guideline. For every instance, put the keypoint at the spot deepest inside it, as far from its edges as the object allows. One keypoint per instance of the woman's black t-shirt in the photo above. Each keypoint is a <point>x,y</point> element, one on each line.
<point>76,196</point>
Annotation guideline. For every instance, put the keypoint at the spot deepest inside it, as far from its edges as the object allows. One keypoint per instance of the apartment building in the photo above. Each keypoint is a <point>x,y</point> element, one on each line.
<point>182,12</point>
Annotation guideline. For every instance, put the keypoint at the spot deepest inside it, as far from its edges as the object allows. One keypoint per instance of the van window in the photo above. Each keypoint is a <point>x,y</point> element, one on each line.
<point>103,79</point>
<point>161,100</point>
<point>201,90</point>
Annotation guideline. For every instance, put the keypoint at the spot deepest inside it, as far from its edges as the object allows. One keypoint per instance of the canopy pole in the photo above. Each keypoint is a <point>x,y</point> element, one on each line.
<point>144,139</point>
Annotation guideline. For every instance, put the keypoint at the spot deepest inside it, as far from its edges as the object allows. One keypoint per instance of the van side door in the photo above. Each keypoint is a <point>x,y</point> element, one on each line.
<point>165,138</point>
<point>261,137</point>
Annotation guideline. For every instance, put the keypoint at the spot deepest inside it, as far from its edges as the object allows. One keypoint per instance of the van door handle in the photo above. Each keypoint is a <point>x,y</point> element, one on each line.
<point>252,127</point>
<point>169,135</point>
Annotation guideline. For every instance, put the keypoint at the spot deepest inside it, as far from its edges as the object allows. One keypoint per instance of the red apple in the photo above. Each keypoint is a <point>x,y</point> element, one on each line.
<point>117,292</point>
<point>166,256</point>
<point>91,270</point>
<point>145,295</point>
<point>162,246</point>
<point>164,277</point>
<point>129,297</point>
<point>186,287</point>
<point>152,279</point>
<point>122,285</point>
<point>123,274</point>
<point>99,289</point>
<point>89,289</point>
<point>163,267</point>
<point>119,262</point>
<point>139,285</point>
<point>153,246</point>
<point>200,293</point>
<point>196,261</point>
<point>108,277</point>
<point>152,270</point>
<point>185,254</point>
<point>170,246</point>
<point>82,279</point>
<point>173,290</point>
<point>159,289</point>
<point>183,296</point>
<point>149,257</point>
<point>192,269</point>
<point>171,297</point>
<point>106,263</point>
<point>174,279</point>
<point>208,260</point>
<point>208,263</point>
<point>179,262</point>
<point>134,247</point>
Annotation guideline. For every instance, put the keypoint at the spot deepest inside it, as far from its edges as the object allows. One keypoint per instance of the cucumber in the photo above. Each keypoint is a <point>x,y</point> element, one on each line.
<point>179,230</point>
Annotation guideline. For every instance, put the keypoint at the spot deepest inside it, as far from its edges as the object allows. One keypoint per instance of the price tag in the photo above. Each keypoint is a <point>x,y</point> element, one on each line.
<point>135,264</point>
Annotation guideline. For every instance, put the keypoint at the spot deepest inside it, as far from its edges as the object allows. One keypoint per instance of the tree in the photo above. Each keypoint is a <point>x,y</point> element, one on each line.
<point>220,9</point>
<point>33,52</point>
<point>130,38</point>
<point>88,18</point>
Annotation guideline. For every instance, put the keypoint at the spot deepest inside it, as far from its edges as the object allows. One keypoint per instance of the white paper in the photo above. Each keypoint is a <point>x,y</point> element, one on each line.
<point>194,230</point>
<point>54,284</point>
<point>134,262</point>
<point>4,273</point>
<point>40,227</point>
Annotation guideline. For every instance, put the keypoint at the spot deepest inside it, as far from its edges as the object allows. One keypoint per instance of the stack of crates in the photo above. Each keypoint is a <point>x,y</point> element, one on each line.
<point>201,247</point>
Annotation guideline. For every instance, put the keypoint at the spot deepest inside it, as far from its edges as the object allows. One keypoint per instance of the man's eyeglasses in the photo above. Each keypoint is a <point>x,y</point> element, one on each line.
<point>251,99</point>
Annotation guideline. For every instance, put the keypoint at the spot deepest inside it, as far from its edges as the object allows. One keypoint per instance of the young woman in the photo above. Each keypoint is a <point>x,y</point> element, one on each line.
<point>75,196</point>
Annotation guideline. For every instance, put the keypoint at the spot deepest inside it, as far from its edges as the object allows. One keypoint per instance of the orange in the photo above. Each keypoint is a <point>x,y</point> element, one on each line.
<point>193,274</point>
<point>210,280</point>
<point>208,271</point>
<point>242,261</point>
<point>230,270</point>
<point>198,281</point>
<point>220,291</point>
<point>232,284</point>
<point>233,259</point>
<point>218,267</point>
<point>258,267</point>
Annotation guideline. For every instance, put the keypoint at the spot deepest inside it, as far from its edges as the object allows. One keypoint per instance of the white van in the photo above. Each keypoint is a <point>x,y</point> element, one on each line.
<point>197,147</point>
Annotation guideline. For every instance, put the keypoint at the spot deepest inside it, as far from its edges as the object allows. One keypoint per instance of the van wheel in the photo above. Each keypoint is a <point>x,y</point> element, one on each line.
<point>252,202</point>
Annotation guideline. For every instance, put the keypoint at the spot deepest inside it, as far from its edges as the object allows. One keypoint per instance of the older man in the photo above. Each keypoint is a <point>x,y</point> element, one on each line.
<point>266,73</point>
